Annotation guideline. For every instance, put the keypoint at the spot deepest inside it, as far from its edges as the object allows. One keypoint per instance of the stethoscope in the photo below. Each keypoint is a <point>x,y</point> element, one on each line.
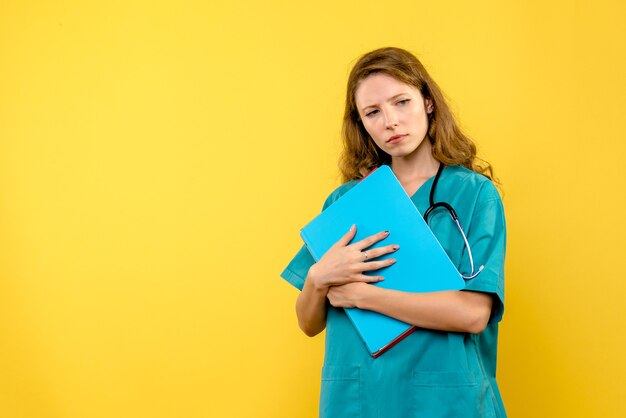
<point>454,217</point>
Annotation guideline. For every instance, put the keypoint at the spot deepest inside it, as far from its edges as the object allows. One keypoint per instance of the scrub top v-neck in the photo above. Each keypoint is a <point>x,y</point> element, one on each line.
<point>430,373</point>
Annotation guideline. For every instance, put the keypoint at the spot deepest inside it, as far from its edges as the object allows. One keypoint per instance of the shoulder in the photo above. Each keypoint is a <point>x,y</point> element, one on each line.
<point>338,192</point>
<point>465,175</point>
<point>467,181</point>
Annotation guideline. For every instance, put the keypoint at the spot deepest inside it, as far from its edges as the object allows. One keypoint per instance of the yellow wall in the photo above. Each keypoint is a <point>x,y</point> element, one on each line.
<point>157,159</point>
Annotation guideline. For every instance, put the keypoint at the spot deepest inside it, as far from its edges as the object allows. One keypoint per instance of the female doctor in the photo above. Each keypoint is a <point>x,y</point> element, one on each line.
<point>396,115</point>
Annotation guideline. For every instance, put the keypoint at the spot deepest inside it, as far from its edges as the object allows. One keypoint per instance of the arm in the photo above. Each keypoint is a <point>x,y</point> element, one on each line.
<point>453,311</point>
<point>343,263</point>
<point>466,311</point>
<point>311,308</point>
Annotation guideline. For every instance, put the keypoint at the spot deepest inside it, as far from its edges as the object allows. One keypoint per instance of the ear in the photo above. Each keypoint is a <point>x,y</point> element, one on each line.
<point>429,105</point>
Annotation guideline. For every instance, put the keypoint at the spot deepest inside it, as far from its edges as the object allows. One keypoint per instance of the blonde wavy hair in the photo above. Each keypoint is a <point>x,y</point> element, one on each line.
<point>450,145</point>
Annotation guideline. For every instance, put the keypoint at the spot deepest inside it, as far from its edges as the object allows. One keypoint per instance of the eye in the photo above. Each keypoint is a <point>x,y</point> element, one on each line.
<point>403,102</point>
<point>371,113</point>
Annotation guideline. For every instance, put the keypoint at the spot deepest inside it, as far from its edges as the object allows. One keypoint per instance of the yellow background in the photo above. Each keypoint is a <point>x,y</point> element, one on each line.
<point>157,159</point>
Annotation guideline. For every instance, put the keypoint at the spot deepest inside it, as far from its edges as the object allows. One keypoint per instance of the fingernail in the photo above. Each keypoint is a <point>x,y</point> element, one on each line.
<point>386,232</point>
<point>380,279</point>
<point>396,247</point>
<point>392,260</point>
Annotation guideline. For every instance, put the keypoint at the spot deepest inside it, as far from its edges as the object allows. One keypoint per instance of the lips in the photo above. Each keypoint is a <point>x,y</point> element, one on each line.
<point>396,138</point>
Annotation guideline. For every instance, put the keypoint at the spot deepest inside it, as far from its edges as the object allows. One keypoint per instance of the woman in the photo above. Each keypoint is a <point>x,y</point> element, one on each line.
<point>396,114</point>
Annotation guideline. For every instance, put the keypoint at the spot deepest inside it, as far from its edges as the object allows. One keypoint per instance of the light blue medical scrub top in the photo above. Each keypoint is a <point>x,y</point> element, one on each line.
<point>429,374</point>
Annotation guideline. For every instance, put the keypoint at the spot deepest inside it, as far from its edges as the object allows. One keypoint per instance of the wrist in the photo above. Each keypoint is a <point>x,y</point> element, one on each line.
<point>366,297</point>
<point>315,281</point>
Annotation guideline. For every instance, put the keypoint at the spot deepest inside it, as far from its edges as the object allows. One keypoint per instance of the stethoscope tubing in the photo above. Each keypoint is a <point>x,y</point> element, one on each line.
<point>455,219</point>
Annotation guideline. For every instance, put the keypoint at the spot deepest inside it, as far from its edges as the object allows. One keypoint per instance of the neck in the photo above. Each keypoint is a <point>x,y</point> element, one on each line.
<point>419,165</point>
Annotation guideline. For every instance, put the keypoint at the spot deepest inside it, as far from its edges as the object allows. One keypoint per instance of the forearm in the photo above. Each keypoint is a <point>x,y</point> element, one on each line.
<point>454,311</point>
<point>311,308</point>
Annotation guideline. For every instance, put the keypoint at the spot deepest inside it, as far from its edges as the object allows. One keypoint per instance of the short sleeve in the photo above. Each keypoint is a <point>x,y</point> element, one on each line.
<point>487,239</point>
<point>298,268</point>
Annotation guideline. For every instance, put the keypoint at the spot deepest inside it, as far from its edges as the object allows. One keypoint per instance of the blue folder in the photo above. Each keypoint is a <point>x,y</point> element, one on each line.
<point>379,203</point>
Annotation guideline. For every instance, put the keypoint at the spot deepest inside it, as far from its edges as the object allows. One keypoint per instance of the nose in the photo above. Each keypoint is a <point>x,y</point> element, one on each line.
<point>391,119</point>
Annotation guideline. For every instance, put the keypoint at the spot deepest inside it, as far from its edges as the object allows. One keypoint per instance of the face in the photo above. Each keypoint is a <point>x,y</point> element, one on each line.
<point>394,114</point>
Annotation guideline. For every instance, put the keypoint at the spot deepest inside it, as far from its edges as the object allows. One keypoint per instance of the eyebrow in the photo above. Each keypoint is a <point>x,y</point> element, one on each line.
<point>389,100</point>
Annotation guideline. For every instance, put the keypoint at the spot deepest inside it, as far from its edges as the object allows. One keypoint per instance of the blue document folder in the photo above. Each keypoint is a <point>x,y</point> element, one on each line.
<point>379,203</point>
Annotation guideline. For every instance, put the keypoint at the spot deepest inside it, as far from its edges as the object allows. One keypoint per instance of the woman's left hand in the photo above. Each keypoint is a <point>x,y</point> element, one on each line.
<point>349,295</point>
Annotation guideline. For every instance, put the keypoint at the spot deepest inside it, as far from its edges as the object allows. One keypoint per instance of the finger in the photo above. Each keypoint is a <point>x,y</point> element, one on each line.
<point>377,252</point>
<point>371,240</point>
<point>332,299</point>
<point>376,265</point>
<point>368,279</point>
<point>345,240</point>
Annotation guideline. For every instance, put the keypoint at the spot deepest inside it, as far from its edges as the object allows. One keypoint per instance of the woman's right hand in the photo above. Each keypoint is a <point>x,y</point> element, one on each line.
<point>345,263</point>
